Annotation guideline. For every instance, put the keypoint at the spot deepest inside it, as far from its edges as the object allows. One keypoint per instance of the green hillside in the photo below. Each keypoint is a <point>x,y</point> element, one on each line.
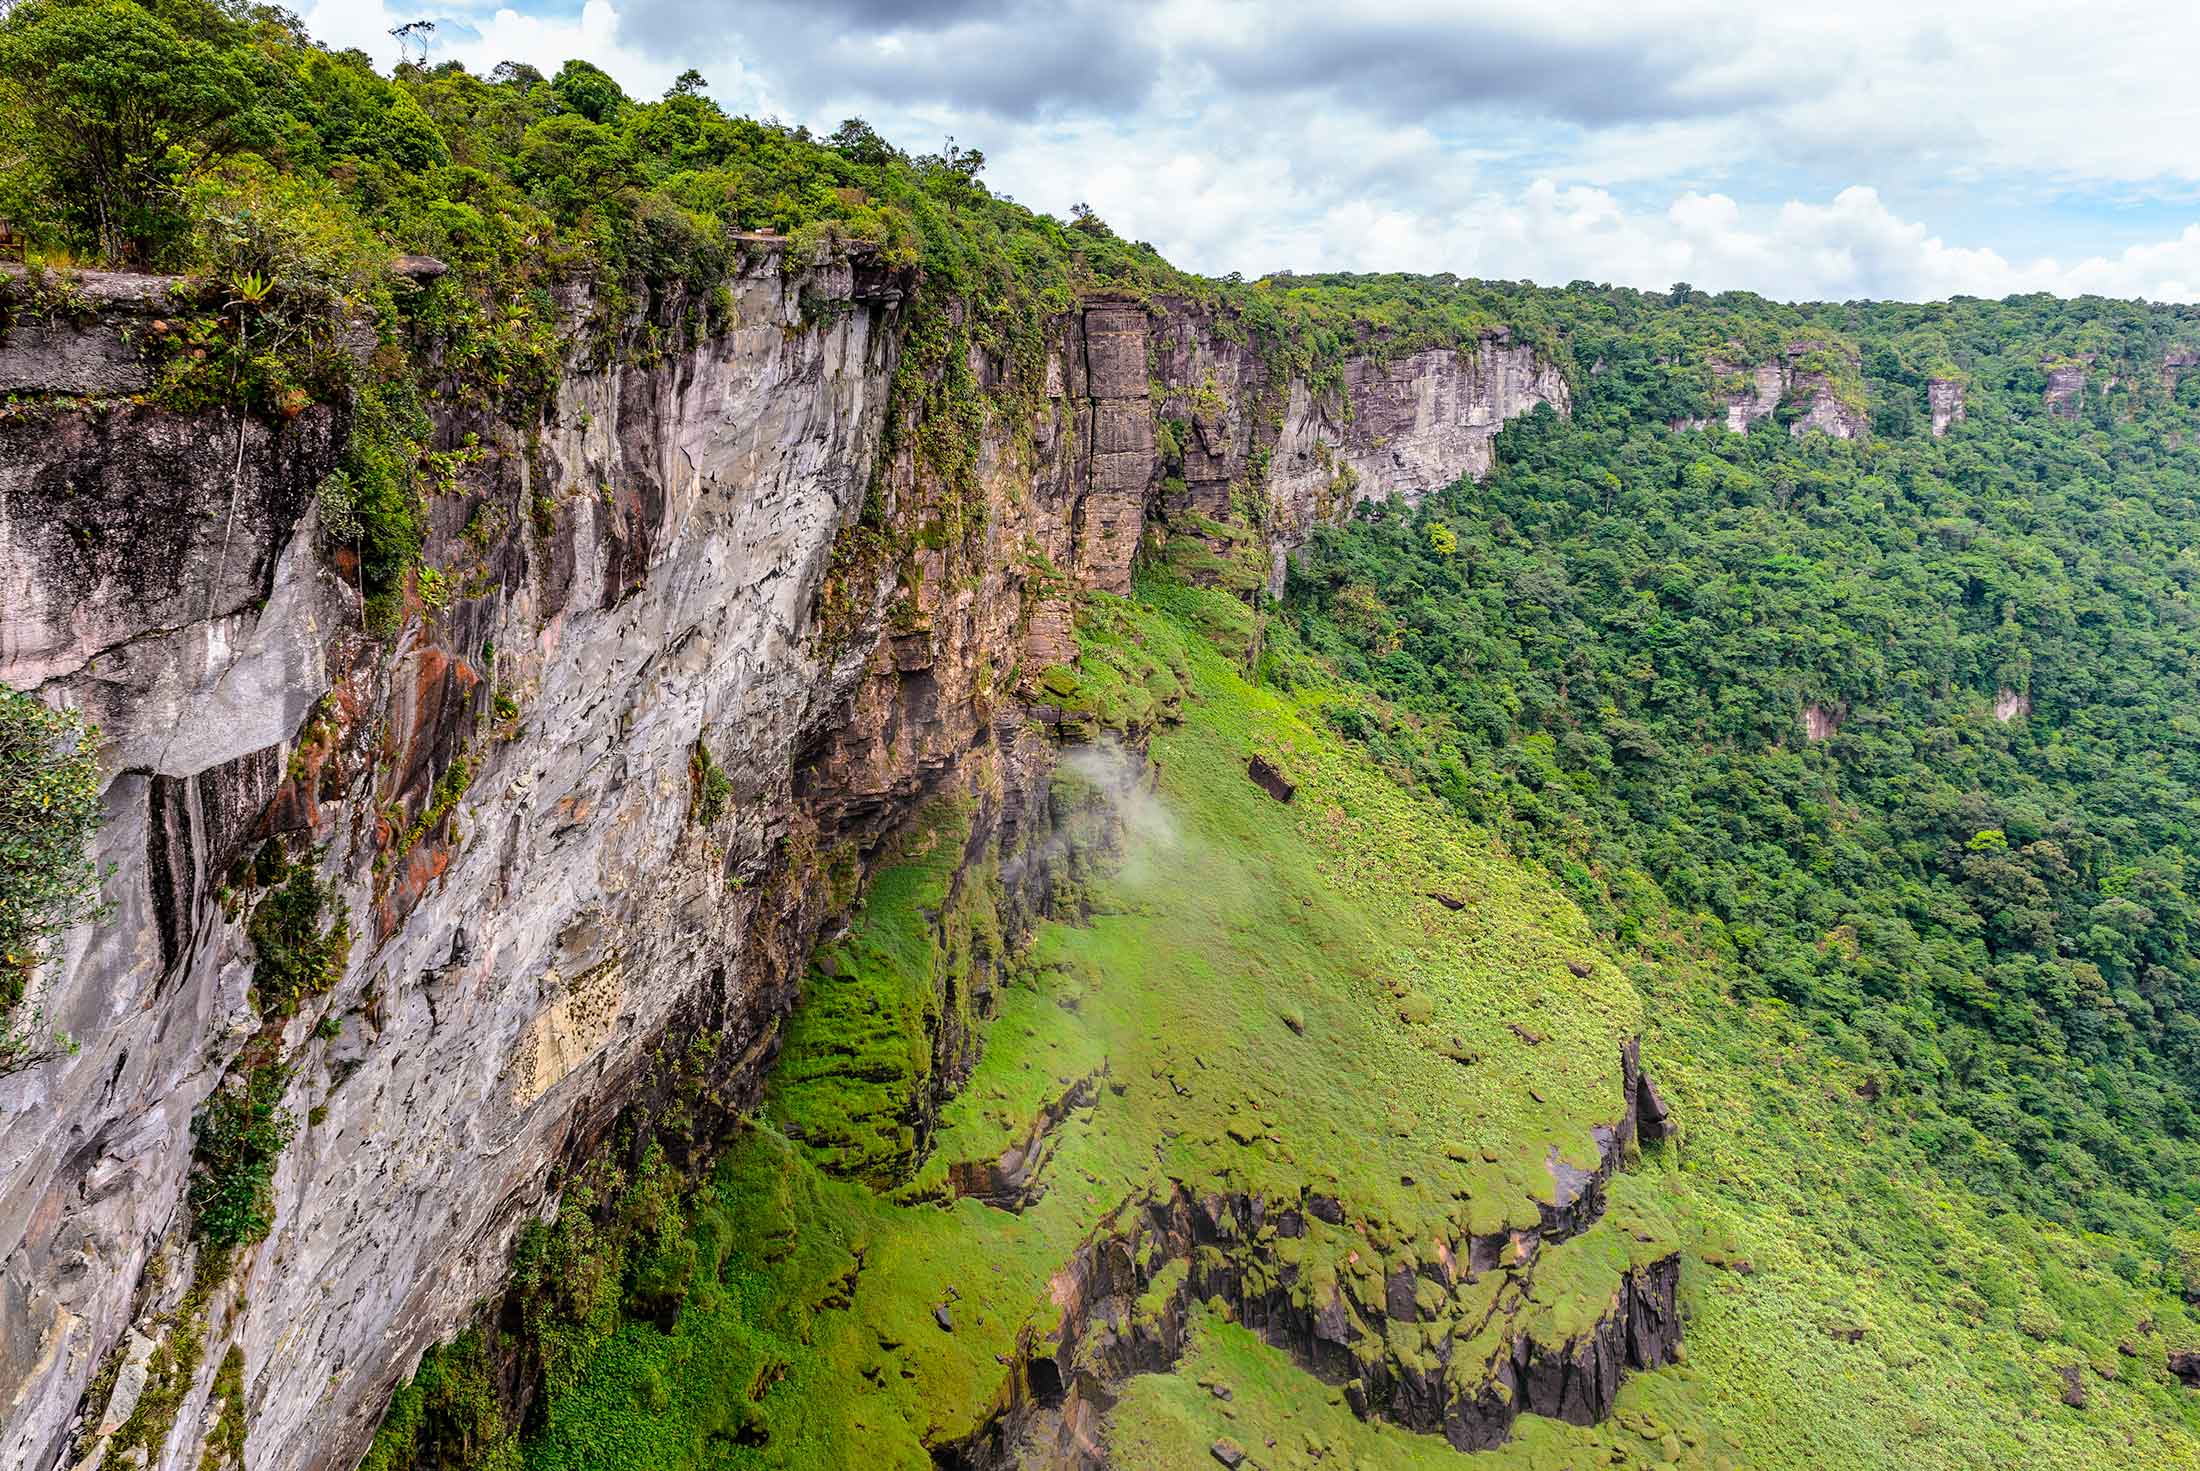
<point>1269,1001</point>
<point>1280,1101</point>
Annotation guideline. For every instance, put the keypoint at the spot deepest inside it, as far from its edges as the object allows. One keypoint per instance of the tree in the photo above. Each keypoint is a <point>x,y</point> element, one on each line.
<point>130,105</point>
<point>688,84</point>
<point>589,91</point>
<point>413,33</point>
<point>859,142</point>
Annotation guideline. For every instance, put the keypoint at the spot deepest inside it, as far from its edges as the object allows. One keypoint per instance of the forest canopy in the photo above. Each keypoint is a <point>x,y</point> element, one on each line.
<point>1904,729</point>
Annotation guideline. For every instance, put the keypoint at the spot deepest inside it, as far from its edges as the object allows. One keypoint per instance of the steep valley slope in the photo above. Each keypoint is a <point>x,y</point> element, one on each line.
<point>742,806</point>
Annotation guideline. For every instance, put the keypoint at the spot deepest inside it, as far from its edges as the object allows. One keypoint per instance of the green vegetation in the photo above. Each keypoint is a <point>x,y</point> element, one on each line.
<point>1607,653</point>
<point>225,1442</point>
<point>296,958</point>
<point>49,811</point>
<point>789,1318</point>
<point>446,1417</point>
<point>1873,763</point>
<point>171,1372</point>
<point>711,784</point>
<point>236,1140</point>
<point>887,1025</point>
<point>1270,996</point>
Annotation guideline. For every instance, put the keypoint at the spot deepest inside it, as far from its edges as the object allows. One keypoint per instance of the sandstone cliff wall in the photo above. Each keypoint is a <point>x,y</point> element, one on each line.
<point>1757,391</point>
<point>506,795</point>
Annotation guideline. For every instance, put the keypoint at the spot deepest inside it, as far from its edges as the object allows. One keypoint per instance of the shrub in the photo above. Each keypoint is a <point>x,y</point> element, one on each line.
<point>128,103</point>
<point>297,958</point>
<point>49,810</point>
<point>237,1139</point>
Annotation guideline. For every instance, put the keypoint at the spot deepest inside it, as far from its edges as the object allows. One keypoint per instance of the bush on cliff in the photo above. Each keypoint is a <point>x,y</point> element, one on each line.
<point>237,1140</point>
<point>49,811</point>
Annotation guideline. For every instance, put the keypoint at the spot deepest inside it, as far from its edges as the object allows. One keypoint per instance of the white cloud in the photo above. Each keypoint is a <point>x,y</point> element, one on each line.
<point>481,36</point>
<point>1851,246</point>
<point>2011,103</point>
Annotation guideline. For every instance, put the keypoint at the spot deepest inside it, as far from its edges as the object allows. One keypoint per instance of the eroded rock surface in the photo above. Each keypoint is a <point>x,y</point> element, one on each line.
<point>1449,1344</point>
<point>1754,392</point>
<point>502,795</point>
<point>1944,397</point>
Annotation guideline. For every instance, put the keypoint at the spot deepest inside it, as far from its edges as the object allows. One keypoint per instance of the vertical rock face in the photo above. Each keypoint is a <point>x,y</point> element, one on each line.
<point>2064,395</point>
<point>1944,396</point>
<point>512,958</point>
<point>1409,426</point>
<point>1828,413</point>
<point>1295,457</point>
<point>504,794</point>
<point>1756,397</point>
<point>1756,392</point>
<point>1111,512</point>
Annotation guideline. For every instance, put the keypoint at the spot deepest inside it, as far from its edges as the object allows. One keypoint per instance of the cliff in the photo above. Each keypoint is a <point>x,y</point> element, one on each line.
<point>575,810</point>
<point>1806,381</point>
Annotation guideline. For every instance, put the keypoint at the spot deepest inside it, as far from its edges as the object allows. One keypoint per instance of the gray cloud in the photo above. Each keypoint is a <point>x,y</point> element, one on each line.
<point>1418,67</point>
<point>1013,59</point>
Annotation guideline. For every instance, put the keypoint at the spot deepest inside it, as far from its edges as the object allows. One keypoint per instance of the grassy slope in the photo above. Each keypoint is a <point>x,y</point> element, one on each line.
<point>813,1342</point>
<point>1231,913</point>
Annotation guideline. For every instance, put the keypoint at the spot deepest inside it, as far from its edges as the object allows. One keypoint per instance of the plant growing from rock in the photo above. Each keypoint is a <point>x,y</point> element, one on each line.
<point>49,812</point>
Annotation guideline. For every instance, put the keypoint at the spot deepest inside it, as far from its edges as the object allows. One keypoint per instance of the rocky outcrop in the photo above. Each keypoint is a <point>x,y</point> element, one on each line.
<point>1111,515</point>
<point>1828,413</point>
<point>68,332</point>
<point>1754,392</point>
<point>2064,395</point>
<point>661,587</point>
<point>1944,398</point>
<point>1407,426</point>
<point>1390,426</point>
<point>531,905</point>
<point>1821,721</point>
<point>1444,1344</point>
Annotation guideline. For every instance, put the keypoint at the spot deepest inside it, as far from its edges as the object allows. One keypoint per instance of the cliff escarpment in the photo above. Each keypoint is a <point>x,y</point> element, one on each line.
<point>1239,1029</point>
<point>682,654</point>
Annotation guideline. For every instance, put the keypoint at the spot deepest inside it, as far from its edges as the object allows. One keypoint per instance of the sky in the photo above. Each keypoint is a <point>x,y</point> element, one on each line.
<point>1817,151</point>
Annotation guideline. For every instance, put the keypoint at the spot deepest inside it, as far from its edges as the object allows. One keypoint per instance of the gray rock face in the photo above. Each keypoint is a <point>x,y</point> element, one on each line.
<point>1828,413</point>
<point>2064,395</point>
<point>72,334</point>
<point>1945,398</point>
<point>1756,397</point>
<point>1398,426</point>
<point>1756,391</point>
<point>1407,426</point>
<point>514,972</point>
<point>533,907</point>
